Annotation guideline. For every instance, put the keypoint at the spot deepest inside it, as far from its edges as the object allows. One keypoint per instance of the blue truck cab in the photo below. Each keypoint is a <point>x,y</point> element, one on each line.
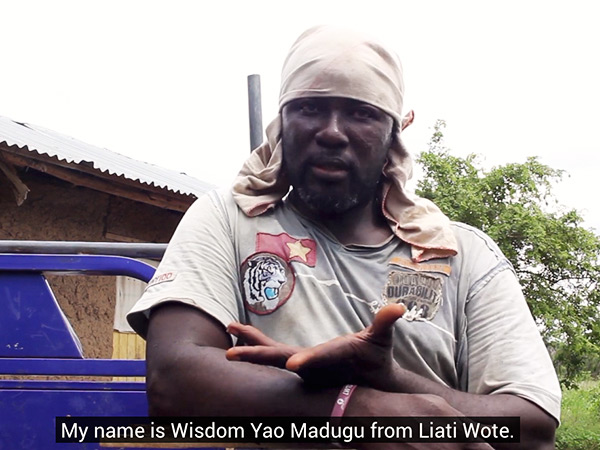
<point>43,374</point>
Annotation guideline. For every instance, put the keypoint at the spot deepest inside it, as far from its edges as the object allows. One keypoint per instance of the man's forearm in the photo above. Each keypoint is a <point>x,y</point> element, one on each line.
<point>188,374</point>
<point>537,426</point>
<point>199,381</point>
<point>365,358</point>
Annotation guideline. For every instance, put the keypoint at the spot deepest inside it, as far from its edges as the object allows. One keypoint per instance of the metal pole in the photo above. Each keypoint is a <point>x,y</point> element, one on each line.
<point>132,250</point>
<point>255,111</point>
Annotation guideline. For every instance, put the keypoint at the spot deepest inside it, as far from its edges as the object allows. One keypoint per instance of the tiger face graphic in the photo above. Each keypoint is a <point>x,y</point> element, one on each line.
<point>266,282</point>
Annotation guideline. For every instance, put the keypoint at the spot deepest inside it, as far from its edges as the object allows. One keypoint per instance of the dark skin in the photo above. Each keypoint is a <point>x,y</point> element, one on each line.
<point>336,148</point>
<point>335,145</point>
<point>189,375</point>
<point>365,358</point>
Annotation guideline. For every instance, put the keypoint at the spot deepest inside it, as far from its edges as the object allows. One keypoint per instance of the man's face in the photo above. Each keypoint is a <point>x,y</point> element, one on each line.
<point>334,150</point>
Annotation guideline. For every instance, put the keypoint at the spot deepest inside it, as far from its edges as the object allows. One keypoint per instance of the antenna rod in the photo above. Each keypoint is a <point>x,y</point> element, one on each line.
<point>255,111</point>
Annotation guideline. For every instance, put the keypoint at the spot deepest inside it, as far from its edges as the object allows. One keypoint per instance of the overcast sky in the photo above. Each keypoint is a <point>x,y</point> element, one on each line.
<point>165,81</point>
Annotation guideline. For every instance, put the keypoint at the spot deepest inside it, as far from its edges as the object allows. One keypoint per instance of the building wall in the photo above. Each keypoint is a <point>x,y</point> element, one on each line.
<point>57,210</point>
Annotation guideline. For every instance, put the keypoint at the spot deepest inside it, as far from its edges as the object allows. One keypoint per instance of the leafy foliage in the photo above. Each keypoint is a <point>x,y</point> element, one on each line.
<point>555,257</point>
<point>580,428</point>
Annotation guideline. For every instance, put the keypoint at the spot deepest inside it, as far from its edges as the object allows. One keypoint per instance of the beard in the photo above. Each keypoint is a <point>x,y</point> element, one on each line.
<point>332,202</point>
<point>327,204</point>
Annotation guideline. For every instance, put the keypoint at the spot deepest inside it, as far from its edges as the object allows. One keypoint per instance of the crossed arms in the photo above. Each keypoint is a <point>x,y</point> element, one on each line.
<point>193,370</point>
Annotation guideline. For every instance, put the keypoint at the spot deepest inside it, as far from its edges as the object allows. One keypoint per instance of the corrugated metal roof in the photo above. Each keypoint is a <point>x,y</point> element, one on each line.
<point>68,149</point>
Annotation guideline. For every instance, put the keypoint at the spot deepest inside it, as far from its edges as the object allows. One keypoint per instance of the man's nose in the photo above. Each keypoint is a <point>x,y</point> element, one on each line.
<point>332,132</point>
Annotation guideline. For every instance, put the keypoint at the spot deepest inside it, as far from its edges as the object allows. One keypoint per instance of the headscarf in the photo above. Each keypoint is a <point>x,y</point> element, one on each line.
<point>328,61</point>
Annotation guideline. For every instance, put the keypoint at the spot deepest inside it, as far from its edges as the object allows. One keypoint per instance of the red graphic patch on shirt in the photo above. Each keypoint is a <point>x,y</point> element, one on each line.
<point>288,248</point>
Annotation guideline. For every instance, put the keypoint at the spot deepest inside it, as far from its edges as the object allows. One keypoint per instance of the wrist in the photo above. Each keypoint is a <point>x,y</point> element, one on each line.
<point>342,400</point>
<point>364,402</point>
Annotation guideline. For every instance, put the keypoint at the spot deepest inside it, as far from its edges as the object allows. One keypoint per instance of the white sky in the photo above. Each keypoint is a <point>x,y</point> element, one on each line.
<point>165,81</point>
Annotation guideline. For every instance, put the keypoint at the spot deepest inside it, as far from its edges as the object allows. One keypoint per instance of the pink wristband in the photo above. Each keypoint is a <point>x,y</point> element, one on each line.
<point>342,401</point>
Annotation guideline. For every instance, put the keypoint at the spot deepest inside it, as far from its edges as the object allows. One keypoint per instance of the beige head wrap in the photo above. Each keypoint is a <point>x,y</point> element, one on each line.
<point>327,61</point>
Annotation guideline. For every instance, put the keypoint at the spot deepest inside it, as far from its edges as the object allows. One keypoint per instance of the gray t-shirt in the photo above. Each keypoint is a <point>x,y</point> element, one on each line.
<point>469,328</point>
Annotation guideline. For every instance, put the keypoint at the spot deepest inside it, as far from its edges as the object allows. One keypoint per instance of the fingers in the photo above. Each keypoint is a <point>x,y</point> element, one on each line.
<point>345,348</point>
<point>266,356</point>
<point>324,354</point>
<point>386,317</point>
<point>250,335</point>
<point>259,348</point>
<point>297,361</point>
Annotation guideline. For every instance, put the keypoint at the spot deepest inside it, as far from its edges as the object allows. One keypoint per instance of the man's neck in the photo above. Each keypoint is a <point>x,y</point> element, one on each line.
<point>362,225</point>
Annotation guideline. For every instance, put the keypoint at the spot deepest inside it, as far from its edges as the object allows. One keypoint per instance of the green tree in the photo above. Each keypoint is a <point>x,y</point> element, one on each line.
<point>555,257</point>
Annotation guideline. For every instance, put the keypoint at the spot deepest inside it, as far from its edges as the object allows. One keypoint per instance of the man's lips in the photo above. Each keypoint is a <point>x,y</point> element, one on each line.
<point>333,170</point>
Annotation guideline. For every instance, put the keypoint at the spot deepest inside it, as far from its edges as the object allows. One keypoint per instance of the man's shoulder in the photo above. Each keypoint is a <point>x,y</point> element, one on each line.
<point>219,195</point>
<point>219,208</point>
<point>219,199</point>
<point>223,198</point>
<point>471,239</point>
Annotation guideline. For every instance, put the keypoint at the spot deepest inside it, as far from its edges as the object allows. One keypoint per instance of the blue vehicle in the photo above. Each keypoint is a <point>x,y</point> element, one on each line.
<point>37,342</point>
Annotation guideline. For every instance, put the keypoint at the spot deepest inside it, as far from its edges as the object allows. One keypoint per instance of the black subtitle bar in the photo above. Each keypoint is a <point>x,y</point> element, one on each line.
<point>264,430</point>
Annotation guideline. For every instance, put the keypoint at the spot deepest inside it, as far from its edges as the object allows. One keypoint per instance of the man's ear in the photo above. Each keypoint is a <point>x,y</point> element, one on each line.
<point>407,119</point>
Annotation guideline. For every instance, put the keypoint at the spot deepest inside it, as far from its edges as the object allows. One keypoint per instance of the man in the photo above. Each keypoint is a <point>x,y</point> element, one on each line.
<point>344,253</point>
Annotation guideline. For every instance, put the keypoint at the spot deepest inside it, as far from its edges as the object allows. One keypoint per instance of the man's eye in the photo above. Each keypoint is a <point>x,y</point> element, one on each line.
<point>308,108</point>
<point>364,113</point>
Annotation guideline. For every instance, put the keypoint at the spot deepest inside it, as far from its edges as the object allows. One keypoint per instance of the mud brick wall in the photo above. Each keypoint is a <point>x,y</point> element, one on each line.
<point>57,210</point>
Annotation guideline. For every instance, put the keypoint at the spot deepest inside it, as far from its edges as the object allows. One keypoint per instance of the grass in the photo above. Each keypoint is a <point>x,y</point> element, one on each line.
<point>580,427</point>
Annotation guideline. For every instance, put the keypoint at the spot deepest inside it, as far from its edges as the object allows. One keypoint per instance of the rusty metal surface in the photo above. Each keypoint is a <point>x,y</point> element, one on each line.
<point>32,138</point>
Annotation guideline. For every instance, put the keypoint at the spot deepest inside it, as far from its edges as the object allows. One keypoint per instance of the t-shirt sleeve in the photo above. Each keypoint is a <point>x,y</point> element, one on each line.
<point>506,352</point>
<point>198,268</point>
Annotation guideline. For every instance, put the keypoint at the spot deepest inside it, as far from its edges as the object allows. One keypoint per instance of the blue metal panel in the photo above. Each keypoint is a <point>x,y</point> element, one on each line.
<point>32,326</point>
<point>81,367</point>
<point>31,422</point>
<point>77,385</point>
<point>31,321</point>
<point>83,264</point>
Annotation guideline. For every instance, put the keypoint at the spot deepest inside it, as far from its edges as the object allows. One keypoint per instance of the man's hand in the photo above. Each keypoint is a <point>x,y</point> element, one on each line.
<point>363,358</point>
<point>259,348</point>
